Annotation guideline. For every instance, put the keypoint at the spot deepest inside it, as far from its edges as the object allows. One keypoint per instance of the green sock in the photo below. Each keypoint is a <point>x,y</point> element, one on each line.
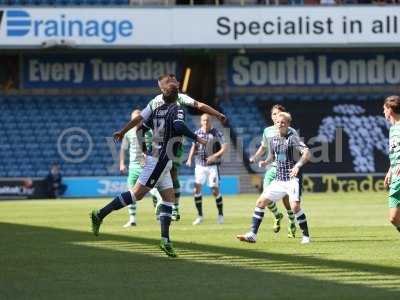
<point>291,216</point>
<point>274,209</point>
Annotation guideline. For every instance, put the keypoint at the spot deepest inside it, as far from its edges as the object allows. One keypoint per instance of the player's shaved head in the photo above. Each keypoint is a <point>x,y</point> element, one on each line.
<point>393,102</point>
<point>205,121</point>
<point>205,116</point>
<point>164,79</point>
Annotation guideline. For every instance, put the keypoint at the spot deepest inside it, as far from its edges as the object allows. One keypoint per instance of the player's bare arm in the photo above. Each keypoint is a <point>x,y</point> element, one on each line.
<point>260,152</point>
<point>388,178</point>
<point>190,157</point>
<point>182,129</point>
<point>122,166</point>
<point>211,111</point>
<point>213,158</point>
<point>305,157</point>
<point>269,160</point>
<point>119,135</point>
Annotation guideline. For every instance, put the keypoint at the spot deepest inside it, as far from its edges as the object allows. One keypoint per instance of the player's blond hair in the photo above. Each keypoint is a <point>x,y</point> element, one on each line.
<point>285,115</point>
<point>393,102</point>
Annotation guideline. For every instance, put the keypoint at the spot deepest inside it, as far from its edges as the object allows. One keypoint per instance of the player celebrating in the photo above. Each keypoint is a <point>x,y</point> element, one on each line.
<point>167,123</point>
<point>391,110</point>
<point>270,174</point>
<point>184,100</point>
<point>282,150</point>
<point>207,163</point>
<point>133,143</point>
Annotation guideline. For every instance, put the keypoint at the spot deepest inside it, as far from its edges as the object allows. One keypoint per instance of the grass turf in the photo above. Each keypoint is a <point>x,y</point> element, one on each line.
<point>48,252</point>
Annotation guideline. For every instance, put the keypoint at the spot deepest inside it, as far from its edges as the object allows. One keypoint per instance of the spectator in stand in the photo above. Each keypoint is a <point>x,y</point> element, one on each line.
<point>55,186</point>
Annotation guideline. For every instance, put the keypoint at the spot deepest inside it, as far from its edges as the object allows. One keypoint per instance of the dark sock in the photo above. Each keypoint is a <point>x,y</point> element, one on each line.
<point>198,200</point>
<point>398,228</point>
<point>177,191</point>
<point>119,202</point>
<point>165,219</point>
<point>218,201</point>
<point>154,200</point>
<point>302,221</point>
<point>257,219</point>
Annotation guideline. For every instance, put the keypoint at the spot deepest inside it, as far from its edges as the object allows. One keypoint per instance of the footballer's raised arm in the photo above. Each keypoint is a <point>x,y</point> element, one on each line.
<point>188,101</point>
<point>144,115</point>
<point>211,111</point>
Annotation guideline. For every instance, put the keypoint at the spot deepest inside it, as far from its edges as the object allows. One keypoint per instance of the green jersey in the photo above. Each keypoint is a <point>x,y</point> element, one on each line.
<point>183,99</point>
<point>268,134</point>
<point>394,151</point>
<point>131,142</point>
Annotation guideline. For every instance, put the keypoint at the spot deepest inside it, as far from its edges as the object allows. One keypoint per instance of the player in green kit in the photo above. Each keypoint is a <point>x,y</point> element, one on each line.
<point>391,110</point>
<point>133,143</point>
<point>270,174</point>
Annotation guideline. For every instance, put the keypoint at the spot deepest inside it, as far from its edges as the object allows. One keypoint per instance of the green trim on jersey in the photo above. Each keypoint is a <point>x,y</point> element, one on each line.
<point>148,140</point>
<point>394,151</point>
<point>394,195</point>
<point>394,157</point>
<point>183,99</point>
<point>269,176</point>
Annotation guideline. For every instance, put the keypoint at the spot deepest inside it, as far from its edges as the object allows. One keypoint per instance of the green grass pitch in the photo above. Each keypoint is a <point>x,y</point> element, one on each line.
<point>48,252</point>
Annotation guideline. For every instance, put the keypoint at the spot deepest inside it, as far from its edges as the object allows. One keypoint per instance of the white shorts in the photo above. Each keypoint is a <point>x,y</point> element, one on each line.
<point>209,174</point>
<point>279,189</point>
<point>156,173</point>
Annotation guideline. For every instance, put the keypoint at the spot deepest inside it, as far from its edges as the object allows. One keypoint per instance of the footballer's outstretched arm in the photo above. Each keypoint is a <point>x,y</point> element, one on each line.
<point>124,148</point>
<point>270,159</point>
<point>211,111</point>
<point>260,152</point>
<point>181,129</point>
<point>119,135</point>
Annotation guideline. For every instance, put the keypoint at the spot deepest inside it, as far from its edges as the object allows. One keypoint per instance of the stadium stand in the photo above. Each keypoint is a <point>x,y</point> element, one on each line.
<point>32,125</point>
<point>248,118</point>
